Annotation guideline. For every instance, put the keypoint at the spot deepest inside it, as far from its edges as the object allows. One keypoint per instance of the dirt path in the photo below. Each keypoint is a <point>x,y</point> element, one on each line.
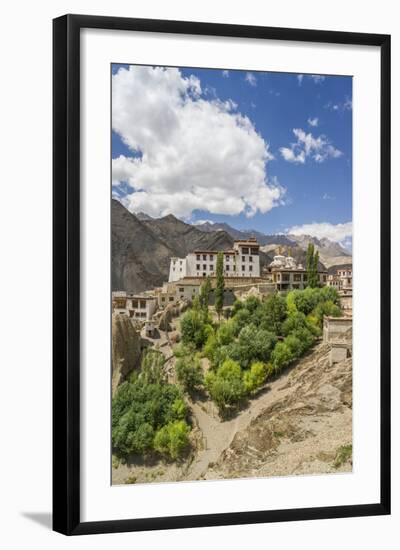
<point>218,435</point>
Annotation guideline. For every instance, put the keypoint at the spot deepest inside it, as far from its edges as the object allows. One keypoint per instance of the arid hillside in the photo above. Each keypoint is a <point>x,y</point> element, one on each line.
<point>304,427</point>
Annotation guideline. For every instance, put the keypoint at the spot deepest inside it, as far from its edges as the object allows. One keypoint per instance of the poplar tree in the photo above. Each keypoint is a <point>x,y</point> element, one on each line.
<point>220,286</point>
<point>312,259</point>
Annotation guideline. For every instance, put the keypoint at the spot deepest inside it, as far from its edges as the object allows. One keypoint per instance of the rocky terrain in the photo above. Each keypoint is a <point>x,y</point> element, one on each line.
<point>141,247</point>
<point>302,429</point>
<point>126,349</point>
<point>300,423</point>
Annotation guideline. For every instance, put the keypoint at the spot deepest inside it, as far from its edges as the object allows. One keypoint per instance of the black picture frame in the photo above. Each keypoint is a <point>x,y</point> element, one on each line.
<point>66,273</point>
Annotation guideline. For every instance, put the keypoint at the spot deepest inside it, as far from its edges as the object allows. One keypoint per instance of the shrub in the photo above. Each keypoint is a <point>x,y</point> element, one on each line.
<point>295,345</point>
<point>281,356</point>
<point>252,345</point>
<point>152,367</point>
<point>226,333</point>
<point>326,308</point>
<point>226,385</point>
<point>255,377</point>
<point>294,321</point>
<point>139,409</point>
<point>194,328</point>
<point>172,440</point>
<point>189,373</point>
<point>272,313</point>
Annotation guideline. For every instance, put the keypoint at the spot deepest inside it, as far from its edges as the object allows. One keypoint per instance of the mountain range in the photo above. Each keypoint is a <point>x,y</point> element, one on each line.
<point>142,246</point>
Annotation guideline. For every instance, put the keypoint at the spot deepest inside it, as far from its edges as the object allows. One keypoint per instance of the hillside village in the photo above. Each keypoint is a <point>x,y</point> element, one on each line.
<point>292,410</point>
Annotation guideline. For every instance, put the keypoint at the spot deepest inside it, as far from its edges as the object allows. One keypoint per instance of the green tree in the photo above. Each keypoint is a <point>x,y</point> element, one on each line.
<point>194,328</point>
<point>204,296</point>
<point>172,440</point>
<point>189,373</point>
<point>226,385</point>
<point>312,258</point>
<point>255,377</point>
<point>281,356</point>
<point>220,285</point>
<point>252,345</point>
<point>273,313</point>
<point>152,367</point>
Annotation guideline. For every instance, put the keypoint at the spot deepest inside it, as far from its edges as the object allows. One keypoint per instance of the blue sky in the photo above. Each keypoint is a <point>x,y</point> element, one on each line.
<point>293,131</point>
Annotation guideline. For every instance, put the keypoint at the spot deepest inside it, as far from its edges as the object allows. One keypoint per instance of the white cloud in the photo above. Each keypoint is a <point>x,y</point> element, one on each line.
<point>313,121</point>
<point>202,222</point>
<point>225,73</point>
<point>188,152</point>
<point>316,78</point>
<point>339,233</point>
<point>251,79</point>
<point>317,148</point>
<point>340,106</point>
<point>327,197</point>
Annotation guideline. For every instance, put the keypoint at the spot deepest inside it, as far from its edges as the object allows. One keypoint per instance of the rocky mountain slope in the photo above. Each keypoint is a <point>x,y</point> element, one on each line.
<point>141,248</point>
<point>304,428</point>
<point>331,253</point>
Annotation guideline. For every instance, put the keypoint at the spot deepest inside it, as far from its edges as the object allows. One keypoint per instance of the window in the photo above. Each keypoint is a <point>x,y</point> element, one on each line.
<point>211,267</point>
<point>142,304</point>
<point>204,274</point>
<point>204,266</point>
<point>163,299</point>
<point>227,267</point>
<point>297,277</point>
<point>227,257</point>
<point>285,277</point>
<point>211,257</point>
<point>250,268</point>
<point>243,267</point>
<point>198,257</point>
<point>234,268</point>
<point>171,298</point>
<point>254,251</point>
<point>250,258</point>
<point>243,259</point>
<point>198,267</point>
<point>245,250</point>
<point>180,261</point>
<point>181,290</point>
<point>135,304</point>
<point>204,257</point>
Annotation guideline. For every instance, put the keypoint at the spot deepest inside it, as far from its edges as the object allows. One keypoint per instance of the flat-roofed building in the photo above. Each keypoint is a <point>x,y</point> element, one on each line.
<point>287,274</point>
<point>136,306</point>
<point>341,278</point>
<point>241,261</point>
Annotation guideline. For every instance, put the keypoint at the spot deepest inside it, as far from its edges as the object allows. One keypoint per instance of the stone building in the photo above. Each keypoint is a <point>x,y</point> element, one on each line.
<point>136,306</point>
<point>341,278</point>
<point>286,274</point>
<point>242,261</point>
<point>338,333</point>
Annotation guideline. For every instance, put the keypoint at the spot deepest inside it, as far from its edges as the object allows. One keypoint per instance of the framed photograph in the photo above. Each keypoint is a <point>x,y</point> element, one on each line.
<point>221,274</point>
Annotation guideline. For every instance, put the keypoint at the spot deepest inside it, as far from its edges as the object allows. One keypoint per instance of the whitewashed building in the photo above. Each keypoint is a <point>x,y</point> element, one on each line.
<point>242,261</point>
<point>286,274</point>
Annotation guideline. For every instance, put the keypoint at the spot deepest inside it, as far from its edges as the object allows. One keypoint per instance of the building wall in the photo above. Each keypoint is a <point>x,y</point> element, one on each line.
<point>177,269</point>
<point>335,328</point>
<point>240,263</point>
